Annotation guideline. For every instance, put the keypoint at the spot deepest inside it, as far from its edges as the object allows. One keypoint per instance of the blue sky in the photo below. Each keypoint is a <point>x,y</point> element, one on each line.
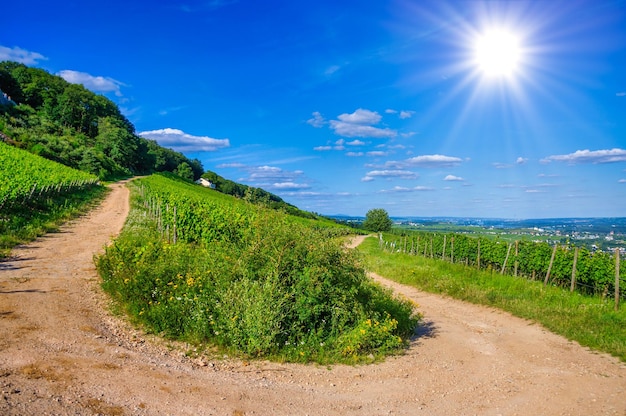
<point>340,107</point>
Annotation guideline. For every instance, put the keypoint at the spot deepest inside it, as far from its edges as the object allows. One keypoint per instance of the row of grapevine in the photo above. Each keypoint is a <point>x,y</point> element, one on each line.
<point>566,266</point>
<point>193,217</point>
<point>25,177</point>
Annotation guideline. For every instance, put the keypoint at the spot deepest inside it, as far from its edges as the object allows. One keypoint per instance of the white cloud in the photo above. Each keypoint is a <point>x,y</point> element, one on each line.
<point>622,181</point>
<point>406,114</point>
<point>317,121</point>
<point>322,148</point>
<point>361,116</point>
<point>404,189</point>
<point>20,55</point>
<point>289,186</point>
<point>453,178</point>
<point>621,94</point>
<point>358,130</point>
<point>93,83</point>
<point>376,153</point>
<point>428,161</point>
<point>231,165</point>
<point>183,142</point>
<point>354,154</point>
<point>391,111</point>
<point>361,124</point>
<point>356,143</point>
<point>587,156</point>
<point>395,173</point>
<point>521,160</point>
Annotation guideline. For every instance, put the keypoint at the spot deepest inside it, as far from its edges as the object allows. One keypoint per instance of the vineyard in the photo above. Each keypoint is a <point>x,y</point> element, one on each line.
<point>575,268</point>
<point>26,179</point>
<point>208,268</point>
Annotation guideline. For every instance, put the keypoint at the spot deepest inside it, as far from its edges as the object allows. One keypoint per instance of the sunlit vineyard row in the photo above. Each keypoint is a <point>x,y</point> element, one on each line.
<point>591,272</point>
<point>25,176</point>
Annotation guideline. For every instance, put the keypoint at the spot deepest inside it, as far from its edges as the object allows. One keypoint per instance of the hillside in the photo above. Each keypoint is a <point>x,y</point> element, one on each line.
<point>69,124</point>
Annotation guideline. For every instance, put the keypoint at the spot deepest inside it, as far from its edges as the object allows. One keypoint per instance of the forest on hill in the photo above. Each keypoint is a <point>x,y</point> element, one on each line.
<point>67,123</point>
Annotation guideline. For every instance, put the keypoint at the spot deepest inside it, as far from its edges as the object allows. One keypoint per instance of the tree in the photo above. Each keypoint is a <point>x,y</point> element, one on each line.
<point>377,220</point>
<point>184,171</point>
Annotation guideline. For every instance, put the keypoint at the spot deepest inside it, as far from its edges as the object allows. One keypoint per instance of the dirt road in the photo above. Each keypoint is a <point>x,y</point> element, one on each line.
<point>63,353</point>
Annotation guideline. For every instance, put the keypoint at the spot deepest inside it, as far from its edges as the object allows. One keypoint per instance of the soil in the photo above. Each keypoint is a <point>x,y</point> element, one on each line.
<point>63,352</point>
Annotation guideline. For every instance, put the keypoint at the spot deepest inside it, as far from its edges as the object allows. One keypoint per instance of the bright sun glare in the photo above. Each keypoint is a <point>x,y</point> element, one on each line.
<point>497,53</point>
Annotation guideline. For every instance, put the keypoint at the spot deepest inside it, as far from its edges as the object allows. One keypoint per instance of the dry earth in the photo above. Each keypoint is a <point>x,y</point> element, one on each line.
<point>63,353</point>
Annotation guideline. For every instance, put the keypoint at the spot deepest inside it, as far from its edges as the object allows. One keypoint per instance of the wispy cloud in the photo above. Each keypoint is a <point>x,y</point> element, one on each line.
<point>621,94</point>
<point>453,178</point>
<point>271,178</point>
<point>322,148</point>
<point>20,55</point>
<point>183,142</point>
<point>622,181</point>
<point>403,114</point>
<point>427,161</point>
<point>404,189</point>
<point>317,120</point>
<point>521,160</point>
<point>377,153</point>
<point>387,174</point>
<point>588,156</point>
<point>91,82</point>
<point>354,154</point>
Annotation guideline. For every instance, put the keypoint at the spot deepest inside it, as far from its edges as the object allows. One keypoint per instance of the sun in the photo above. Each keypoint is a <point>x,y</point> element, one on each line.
<point>497,53</point>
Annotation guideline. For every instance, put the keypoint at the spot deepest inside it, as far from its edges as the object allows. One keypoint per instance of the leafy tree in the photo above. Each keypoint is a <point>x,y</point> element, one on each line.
<point>184,171</point>
<point>377,220</point>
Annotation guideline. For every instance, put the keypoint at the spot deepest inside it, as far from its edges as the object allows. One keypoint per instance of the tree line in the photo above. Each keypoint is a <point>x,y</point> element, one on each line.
<point>69,124</point>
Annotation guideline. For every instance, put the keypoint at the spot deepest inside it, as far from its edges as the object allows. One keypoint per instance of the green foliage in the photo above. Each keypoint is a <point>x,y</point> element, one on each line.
<point>589,320</point>
<point>184,171</point>
<point>69,124</point>
<point>247,279</point>
<point>36,194</point>
<point>377,220</point>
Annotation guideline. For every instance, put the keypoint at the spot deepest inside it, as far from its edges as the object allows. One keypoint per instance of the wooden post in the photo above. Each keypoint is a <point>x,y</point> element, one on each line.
<point>516,254</point>
<point>452,249</point>
<point>174,231</point>
<point>508,251</point>
<point>573,284</point>
<point>545,282</point>
<point>616,279</point>
<point>443,252</point>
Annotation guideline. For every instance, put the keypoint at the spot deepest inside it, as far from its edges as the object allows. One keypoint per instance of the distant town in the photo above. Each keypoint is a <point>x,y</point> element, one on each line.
<point>604,234</point>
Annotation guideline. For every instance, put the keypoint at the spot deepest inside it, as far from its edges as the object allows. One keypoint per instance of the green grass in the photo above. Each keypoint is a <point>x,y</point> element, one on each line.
<point>590,321</point>
<point>30,220</point>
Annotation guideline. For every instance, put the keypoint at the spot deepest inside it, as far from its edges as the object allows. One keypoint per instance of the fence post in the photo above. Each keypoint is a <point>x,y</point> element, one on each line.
<point>174,231</point>
<point>452,249</point>
<point>545,282</point>
<point>443,253</point>
<point>616,279</point>
<point>508,251</point>
<point>516,254</point>
<point>573,284</point>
